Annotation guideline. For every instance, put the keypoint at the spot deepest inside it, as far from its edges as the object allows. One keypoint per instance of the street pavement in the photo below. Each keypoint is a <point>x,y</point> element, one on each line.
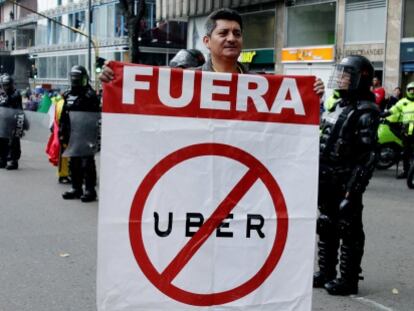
<point>48,245</point>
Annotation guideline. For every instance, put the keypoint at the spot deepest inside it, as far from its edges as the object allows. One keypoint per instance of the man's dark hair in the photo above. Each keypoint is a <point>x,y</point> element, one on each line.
<point>226,14</point>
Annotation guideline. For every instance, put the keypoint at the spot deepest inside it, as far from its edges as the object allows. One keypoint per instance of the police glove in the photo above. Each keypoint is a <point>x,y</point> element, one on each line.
<point>385,114</point>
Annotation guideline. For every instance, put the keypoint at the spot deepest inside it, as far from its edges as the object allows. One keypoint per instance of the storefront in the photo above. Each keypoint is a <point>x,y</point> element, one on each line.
<point>260,61</point>
<point>316,61</point>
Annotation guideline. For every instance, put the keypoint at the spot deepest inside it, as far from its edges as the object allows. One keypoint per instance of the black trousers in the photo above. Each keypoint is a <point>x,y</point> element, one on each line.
<point>83,172</point>
<point>10,149</point>
<point>339,232</point>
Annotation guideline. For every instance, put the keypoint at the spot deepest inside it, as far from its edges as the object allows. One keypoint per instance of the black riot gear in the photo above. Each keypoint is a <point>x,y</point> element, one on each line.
<point>6,83</point>
<point>352,77</point>
<point>78,77</point>
<point>81,98</point>
<point>10,98</point>
<point>347,160</point>
<point>190,58</point>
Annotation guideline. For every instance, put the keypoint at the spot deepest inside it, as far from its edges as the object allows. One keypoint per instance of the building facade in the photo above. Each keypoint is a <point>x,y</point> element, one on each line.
<point>281,36</point>
<point>310,36</point>
<point>17,36</point>
<point>53,49</point>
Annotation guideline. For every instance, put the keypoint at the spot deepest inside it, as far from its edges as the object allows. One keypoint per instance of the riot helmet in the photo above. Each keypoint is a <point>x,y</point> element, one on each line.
<point>409,89</point>
<point>78,77</point>
<point>187,59</point>
<point>6,82</point>
<point>352,77</point>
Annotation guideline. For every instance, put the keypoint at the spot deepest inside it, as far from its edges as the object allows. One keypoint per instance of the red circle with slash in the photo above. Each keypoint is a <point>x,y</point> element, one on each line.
<point>163,281</point>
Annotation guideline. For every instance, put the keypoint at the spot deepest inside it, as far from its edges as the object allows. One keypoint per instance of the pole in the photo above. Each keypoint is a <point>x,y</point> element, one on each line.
<point>90,35</point>
<point>95,46</point>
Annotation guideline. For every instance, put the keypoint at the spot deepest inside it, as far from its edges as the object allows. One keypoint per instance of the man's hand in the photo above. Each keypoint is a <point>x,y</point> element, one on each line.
<point>319,87</point>
<point>107,74</point>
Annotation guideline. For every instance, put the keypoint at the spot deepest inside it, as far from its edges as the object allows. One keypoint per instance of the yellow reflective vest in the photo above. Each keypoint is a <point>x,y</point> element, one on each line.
<point>403,112</point>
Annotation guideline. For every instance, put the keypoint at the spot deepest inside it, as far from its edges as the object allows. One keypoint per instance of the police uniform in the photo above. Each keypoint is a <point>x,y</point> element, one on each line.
<point>81,97</point>
<point>347,160</point>
<point>10,149</point>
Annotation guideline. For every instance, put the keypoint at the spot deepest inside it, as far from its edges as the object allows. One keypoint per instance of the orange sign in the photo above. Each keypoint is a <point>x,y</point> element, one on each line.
<point>308,55</point>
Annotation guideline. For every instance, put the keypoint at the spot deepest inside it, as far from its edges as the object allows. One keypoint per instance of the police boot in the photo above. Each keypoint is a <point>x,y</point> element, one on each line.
<point>72,194</point>
<point>327,260</point>
<point>88,196</point>
<point>402,175</point>
<point>342,287</point>
<point>12,165</point>
<point>350,267</point>
<point>3,163</point>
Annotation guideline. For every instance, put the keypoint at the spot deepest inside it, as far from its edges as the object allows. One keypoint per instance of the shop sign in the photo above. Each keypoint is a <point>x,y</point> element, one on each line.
<point>247,57</point>
<point>265,56</point>
<point>372,53</point>
<point>407,52</point>
<point>308,55</point>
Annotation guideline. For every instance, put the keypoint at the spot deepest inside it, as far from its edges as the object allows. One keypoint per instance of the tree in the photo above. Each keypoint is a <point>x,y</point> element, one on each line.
<point>134,25</point>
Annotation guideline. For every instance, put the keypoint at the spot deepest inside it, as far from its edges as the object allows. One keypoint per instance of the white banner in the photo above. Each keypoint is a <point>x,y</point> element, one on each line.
<point>206,212</point>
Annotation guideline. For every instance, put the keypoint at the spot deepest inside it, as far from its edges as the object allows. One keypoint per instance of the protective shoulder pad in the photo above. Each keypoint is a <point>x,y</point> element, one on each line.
<point>368,105</point>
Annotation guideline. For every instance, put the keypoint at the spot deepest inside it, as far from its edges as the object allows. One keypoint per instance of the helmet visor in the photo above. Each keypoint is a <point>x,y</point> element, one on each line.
<point>77,80</point>
<point>343,78</point>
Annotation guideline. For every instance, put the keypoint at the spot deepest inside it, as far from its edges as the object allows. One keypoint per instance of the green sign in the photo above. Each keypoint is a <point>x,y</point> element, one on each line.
<point>257,56</point>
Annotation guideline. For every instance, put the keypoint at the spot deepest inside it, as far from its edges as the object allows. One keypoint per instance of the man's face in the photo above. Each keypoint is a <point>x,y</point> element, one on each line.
<point>225,41</point>
<point>375,82</point>
<point>397,92</point>
<point>344,81</point>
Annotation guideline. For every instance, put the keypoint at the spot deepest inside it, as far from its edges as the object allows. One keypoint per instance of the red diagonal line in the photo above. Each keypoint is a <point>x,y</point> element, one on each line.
<point>221,212</point>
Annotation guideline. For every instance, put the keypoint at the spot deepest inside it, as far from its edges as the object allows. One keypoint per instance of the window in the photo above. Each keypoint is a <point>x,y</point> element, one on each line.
<point>365,21</point>
<point>258,30</point>
<point>77,20</point>
<point>51,67</point>
<point>120,24</point>
<point>408,26</point>
<point>311,24</point>
<point>42,67</point>
<point>72,61</point>
<point>62,67</point>
<point>41,32</point>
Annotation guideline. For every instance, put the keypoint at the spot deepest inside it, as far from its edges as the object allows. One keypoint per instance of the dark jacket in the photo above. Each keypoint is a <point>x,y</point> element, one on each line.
<point>11,100</point>
<point>85,100</point>
<point>208,66</point>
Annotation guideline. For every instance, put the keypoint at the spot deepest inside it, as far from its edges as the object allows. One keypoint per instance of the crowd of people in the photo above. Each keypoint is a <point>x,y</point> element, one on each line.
<point>347,144</point>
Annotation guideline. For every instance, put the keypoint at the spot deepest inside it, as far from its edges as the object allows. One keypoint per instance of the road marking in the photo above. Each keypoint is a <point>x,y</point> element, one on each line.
<point>372,303</point>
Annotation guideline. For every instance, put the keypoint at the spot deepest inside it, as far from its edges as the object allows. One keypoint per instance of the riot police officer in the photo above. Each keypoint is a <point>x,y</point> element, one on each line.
<point>79,98</point>
<point>347,160</point>
<point>190,58</point>
<point>10,149</point>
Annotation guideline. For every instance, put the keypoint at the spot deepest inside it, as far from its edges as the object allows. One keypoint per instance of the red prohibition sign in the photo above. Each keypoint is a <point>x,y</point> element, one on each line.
<point>163,280</point>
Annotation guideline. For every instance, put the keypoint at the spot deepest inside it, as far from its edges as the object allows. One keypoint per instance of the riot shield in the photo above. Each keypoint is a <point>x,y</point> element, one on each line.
<point>84,134</point>
<point>8,122</point>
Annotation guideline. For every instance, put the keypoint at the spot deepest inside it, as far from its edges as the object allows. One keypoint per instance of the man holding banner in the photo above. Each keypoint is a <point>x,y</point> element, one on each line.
<point>199,203</point>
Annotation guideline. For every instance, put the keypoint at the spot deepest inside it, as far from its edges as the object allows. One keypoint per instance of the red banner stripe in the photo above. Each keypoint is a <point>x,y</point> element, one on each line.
<point>162,91</point>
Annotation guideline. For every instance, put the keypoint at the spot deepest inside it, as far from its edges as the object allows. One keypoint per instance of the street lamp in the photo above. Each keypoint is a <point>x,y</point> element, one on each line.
<point>90,40</point>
